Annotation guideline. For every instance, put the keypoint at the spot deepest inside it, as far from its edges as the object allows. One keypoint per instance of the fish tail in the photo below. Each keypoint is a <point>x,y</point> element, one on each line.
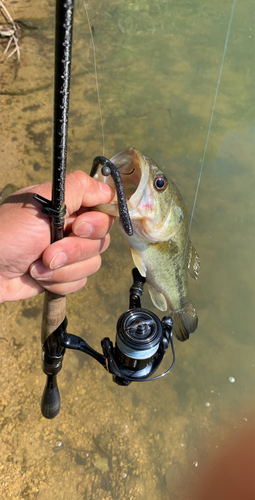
<point>185,322</point>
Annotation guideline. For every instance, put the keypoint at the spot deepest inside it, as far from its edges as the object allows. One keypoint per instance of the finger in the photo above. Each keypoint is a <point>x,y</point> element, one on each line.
<point>93,225</point>
<point>81,190</point>
<point>73,249</point>
<point>65,288</point>
<point>65,274</point>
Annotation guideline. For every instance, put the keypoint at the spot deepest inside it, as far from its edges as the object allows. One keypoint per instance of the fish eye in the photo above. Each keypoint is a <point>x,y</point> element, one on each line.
<point>160,183</point>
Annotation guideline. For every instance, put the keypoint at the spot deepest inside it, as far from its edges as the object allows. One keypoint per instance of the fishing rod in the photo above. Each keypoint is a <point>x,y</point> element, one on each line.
<point>54,307</point>
<point>141,337</point>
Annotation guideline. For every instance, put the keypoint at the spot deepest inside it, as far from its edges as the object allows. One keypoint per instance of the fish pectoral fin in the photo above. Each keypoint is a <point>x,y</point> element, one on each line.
<point>194,262</point>
<point>157,298</point>
<point>185,322</point>
<point>138,262</point>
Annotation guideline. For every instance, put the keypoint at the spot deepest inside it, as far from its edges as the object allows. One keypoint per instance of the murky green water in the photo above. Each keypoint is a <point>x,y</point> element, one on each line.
<point>153,56</point>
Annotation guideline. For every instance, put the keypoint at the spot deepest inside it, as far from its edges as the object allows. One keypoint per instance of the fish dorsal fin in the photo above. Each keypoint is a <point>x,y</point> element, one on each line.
<point>157,298</point>
<point>138,262</point>
<point>194,262</point>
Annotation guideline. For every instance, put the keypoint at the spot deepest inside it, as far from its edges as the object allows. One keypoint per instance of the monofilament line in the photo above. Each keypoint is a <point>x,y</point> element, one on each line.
<point>95,65</point>
<point>208,133</point>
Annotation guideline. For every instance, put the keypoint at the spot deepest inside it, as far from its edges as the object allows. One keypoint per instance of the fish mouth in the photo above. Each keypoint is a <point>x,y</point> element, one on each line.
<point>134,172</point>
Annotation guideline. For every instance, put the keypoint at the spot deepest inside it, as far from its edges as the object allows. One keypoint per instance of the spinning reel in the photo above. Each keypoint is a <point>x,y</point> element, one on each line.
<point>140,345</point>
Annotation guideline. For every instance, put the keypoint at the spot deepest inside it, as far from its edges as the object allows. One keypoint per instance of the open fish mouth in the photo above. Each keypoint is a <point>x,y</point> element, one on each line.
<point>134,172</point>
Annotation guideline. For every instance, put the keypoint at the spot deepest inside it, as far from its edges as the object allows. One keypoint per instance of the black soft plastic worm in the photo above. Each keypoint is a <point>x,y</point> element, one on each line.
<point>110,169</point>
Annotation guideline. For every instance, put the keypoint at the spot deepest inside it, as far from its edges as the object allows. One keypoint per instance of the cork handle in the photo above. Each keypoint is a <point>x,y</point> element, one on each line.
<point>54,311</point>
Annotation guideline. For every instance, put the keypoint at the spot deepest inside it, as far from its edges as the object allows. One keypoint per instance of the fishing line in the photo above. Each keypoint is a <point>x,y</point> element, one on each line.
<point>96,78</point>
<point>208,134</point>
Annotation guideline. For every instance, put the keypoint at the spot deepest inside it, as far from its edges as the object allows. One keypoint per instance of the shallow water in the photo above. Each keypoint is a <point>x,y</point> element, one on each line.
<point>139,442</point>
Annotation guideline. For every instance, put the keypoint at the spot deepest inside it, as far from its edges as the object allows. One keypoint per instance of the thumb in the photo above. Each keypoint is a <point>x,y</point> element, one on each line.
<point>84,191</point>
<point>81,190</point>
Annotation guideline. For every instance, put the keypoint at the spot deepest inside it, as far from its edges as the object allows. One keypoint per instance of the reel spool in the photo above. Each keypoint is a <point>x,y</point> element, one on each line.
<point>139,333</point>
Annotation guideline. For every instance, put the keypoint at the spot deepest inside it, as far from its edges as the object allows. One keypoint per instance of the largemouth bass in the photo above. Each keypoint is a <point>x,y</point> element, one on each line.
<point>160,236</point>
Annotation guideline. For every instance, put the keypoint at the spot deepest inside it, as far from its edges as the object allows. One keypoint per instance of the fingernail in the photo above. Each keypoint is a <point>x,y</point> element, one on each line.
<point>105,188</point>
<point>40,272</point>
<point>58,260</point>
<point>83,229</point>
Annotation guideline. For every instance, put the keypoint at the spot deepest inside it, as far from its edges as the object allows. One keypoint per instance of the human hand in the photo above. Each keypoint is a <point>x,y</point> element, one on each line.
<point>29,263</point>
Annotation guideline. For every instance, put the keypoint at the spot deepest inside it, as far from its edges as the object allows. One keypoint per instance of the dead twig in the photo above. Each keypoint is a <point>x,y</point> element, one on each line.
<point>10,30</point>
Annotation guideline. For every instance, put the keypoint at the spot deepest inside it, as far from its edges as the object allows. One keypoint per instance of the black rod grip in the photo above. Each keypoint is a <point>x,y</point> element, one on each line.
<point>50,404</point>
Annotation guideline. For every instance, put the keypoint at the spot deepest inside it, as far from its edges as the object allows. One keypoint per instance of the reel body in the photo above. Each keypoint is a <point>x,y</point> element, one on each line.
<point>141,343</point>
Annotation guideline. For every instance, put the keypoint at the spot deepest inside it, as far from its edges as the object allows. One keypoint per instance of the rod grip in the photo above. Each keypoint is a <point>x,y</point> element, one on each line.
<point>54,311</point>
<point>50,404</point>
